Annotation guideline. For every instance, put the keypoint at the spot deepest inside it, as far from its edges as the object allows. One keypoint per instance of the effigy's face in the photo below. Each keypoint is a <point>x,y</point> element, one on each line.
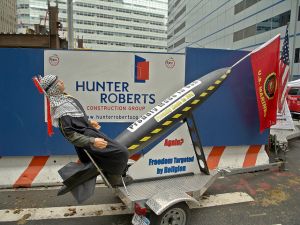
<point>61,85</point>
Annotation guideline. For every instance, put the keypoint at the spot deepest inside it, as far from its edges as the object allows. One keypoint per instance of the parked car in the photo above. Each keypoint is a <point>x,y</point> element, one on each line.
<point>293,100</point>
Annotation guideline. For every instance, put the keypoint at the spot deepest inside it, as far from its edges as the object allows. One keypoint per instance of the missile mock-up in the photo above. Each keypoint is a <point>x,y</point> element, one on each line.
<point>150,126</point>
<point>169,112</point>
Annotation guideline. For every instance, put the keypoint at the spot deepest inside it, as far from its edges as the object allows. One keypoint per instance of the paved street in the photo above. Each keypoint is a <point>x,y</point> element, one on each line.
<point>276,196</point>
<point>276,201</point>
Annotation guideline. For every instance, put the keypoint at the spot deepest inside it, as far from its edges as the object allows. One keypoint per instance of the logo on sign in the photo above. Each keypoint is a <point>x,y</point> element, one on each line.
<point>170,63</point>
<point>141,69</point>
<point>54,60</point>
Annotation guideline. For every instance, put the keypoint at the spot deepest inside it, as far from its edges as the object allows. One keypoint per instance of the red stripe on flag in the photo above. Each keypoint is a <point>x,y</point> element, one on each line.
<point>283,87</point>
<point>214,157</point>
<point>33,169</point>
<point>251,156</point>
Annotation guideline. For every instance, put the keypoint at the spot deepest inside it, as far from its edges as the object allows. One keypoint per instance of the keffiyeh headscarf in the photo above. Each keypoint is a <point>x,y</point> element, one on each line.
<point>58,104</point>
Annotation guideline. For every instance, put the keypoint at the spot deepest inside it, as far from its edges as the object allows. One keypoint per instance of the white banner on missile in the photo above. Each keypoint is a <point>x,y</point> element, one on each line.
<point>173,99</point>
<point>174,106</point>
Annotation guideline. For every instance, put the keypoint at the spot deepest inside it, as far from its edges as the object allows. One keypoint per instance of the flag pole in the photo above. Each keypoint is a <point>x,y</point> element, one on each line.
<point>241,60</point>
<point>255,50</point>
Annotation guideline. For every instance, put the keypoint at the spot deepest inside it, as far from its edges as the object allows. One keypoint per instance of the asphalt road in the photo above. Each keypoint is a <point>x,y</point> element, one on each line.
<point>276,200</point>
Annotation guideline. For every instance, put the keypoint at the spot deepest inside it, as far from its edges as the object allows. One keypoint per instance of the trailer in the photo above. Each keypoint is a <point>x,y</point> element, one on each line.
<point>168,200</point>
<point>162,200</point>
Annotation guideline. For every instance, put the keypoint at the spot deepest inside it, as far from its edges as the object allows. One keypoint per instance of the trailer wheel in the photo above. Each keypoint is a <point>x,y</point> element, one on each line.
<point>178,214</point>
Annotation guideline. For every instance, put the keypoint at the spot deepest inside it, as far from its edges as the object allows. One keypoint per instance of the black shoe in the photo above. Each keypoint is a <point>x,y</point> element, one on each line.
<point>116,180</point>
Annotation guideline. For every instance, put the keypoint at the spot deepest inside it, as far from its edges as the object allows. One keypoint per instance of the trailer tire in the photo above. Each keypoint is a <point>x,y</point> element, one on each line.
<point>179,212</point>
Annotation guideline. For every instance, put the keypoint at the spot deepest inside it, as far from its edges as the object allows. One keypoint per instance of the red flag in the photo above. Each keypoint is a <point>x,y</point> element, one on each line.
<point>265,67</point>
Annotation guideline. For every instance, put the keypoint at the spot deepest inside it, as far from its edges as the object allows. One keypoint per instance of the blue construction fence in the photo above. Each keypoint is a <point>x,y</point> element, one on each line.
<point>228,118</point>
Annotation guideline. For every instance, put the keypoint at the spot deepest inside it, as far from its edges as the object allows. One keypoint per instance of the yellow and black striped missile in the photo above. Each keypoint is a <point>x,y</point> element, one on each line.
<point>161,118</point>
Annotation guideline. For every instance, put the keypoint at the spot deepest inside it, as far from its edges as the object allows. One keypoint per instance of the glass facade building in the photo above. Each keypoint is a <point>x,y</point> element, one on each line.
<point>233,24</point>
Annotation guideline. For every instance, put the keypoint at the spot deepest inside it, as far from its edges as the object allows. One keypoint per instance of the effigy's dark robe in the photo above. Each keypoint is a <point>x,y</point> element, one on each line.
<point>112,159</point>
<point>80,178</point>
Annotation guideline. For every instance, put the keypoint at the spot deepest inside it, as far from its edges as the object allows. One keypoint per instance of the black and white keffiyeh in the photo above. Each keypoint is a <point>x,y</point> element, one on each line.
<point>60,104</point>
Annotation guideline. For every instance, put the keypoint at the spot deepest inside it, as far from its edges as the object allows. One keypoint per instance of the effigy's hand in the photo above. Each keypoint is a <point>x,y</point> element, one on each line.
<point>100,143</point>
<point>95,124</point>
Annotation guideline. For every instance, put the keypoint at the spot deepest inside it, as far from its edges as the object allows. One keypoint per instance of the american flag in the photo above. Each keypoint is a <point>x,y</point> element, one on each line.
<point>284,71</point>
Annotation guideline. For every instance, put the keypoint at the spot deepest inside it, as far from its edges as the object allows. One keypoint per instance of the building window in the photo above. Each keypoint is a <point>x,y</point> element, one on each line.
<point>239,7</point>
<point>170,47</point>
<point>180,42</point>
<point>250,3</point>
<point>296,60</point>
<point>244,5</point>
<point>180,12</point>
<point>250,31</point>
<point>261,27</point>
<point>242,34</point>
<point>180,27</point>
<point>176,3</point>
<point>283,19</point>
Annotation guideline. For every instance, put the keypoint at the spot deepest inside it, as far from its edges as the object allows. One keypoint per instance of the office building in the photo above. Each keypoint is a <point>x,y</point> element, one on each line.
<point>233,24</point>
<point>121,25</point>
<point>8,21</point>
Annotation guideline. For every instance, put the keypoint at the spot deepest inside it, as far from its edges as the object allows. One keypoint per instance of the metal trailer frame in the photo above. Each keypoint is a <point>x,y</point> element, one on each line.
<point>171,198</point>
<point>158,195</point>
